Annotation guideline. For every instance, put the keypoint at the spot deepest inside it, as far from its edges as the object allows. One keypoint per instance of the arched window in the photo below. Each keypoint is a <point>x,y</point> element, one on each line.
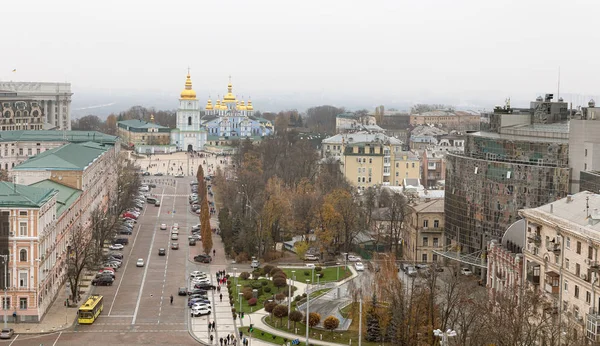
<point>190,121</point>
<point>23,255</point>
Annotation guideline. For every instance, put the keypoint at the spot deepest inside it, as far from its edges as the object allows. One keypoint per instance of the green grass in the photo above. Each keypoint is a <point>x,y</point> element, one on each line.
<point>266,336</point>
<point>336,336</point>
<point>345,312</point>
<point>329,274</point>
<point>261,297</point>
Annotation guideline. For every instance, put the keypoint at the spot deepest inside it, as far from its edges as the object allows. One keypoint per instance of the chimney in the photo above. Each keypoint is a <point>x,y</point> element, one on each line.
<point>569,198</point>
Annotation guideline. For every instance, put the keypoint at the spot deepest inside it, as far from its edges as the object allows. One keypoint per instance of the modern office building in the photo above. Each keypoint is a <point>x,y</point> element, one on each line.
<point>35,106</point>
<point>521,162</point>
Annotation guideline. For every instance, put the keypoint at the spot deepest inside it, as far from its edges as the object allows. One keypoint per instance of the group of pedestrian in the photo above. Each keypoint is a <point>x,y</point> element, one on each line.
<point>211,326</point>
<point>228,340</point>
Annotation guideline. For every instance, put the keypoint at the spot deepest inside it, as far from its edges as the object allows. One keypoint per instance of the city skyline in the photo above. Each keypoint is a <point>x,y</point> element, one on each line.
<point>383,52</point>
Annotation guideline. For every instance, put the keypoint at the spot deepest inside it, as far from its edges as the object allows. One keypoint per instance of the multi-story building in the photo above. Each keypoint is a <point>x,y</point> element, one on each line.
<point>561,258</point>
<point>145,137</point>
<point>27,214</point>
<point>18,146</point>
<point>405,165</point>
<point>454,120</point>
<point>584,144</point>
<point>521,163</point>
<point>434,168</point>
<point>424,233</point>
<point>351,122</point>
<point>35,106</point>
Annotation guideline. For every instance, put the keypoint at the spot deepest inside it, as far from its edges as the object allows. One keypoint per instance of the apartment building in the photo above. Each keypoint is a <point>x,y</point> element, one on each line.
<point>17,147</point>
<point>425,231</point>
<point>561,258</point>
<point>27,214</point>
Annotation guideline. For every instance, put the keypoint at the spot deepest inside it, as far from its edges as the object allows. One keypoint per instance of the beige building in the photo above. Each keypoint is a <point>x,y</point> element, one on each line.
<point>136,133</point>
<point>370,159</point>
<point>425,231</point>
<point>561,259</point>
<point>455,120</point>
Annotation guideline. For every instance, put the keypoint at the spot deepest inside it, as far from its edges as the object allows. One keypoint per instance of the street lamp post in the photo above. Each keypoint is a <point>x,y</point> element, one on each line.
<point>444,335</point>
<point>360,321</point>
<point>307,306</point>
<point>338,271</point>
<point>313,275</point>
<point>240,298</point>
<point>235,275</point>
<point>289,301</point>
<point>238,288</point>
<point>5,260</point>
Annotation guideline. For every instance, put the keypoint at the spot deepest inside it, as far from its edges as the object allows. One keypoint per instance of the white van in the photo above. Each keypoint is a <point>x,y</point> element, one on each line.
<point>310,265</point>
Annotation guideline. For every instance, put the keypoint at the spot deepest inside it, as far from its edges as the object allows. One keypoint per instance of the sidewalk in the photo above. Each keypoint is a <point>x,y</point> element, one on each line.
<point>58,316</point>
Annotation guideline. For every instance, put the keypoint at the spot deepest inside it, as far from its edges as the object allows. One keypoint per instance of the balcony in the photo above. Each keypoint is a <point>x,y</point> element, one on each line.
<point>533,279</point>
<point>553,247</point>
<point>432,229</point>
<point>534,238</point>
<point>552,285</point>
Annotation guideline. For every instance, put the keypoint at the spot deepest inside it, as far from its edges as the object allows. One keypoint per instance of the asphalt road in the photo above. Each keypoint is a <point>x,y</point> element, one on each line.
<point>137,309</point>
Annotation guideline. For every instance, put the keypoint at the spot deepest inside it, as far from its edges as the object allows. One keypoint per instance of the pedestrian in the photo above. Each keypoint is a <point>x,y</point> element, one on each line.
<point>229,337</point>
<point>211,338</point>
<point>221,296</point>
<point>209,326</point>
<point>219,289</point>
<point>241,334</point>
<point>214,326</point>
<point>171,299</point>
<point>214,252</point>
<point>221,340</point>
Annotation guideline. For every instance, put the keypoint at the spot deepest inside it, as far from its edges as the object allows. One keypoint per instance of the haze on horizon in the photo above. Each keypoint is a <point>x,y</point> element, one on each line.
<point>468,53</point>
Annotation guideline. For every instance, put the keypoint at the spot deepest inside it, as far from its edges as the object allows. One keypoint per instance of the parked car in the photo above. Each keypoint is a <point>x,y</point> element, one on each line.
<point>421,266</point>
<point>152,185</point>
<point>182,291</point>
<point>175,246</point>
<point>255,264</point>
<point>157,203</point>
<point>352,258</point>
<point>197,273</point>
<point>202,258</point>
<point>192,242</point>
<point>174,236</point>
<point>125,231</point>
<point>140,262</point>
<point>103,280</point>
<point>310,257</point>
<point>116,247</point>
<point>162,252</point>
<point>145,174</point>
<point>200,312</point>
<point>201,286</point>
<point>196,291</point>
<point>159,174</point>
<point>359,266</point>
<point>196,227</point>
<point>116,255</point>
<point>104,272</point>
<point>151,200</point>
<point>466,271</point>
<point>144,189</point>
<point>179,175</point>
<point>6,333</point>
<point>411,271</point>
<point>122,241</point>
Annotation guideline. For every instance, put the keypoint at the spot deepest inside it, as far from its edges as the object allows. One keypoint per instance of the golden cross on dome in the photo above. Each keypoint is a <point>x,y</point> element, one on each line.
<point>188,70</point>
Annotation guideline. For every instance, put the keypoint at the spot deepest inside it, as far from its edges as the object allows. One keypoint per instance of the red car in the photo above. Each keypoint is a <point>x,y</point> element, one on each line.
<point>130,215</point>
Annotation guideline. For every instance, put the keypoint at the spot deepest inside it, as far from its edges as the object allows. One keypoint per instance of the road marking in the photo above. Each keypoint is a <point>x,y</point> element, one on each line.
<point>161,202</point>
<point>162,296</point>
<point>174,199</point>
<point>124,270</point>
<point>137,305</point>
<point>15,339</point>
<point>118,316</point>
<point>58,337</point>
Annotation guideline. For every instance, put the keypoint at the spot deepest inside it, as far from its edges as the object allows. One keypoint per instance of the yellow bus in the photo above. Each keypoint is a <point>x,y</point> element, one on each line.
<point>90,310</point>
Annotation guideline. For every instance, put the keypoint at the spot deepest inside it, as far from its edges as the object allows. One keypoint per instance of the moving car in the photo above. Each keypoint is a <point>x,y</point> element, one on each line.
<point>202,258</point>
<point>6,333</point>
<point>140,262</point>
<point>145,174</point>
<point>163,226</point>
<point>359,266</point>
<point>466,271</point>
<point>255,264</point>
<point>182,291</point>
<point>103,280</point>
<point>162,252</point>
<point>310,257</point>
<point>159,174</point>
<point>175,246</point>
<point>116,247</point>
<point>192,242</point>
<point>151,200</point>
<point>180,175</point>
<point>353,258</point>
<point>157,203</point>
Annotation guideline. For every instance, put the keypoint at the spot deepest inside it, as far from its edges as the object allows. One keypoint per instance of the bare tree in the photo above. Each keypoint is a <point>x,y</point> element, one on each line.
<point>397,212</point>
<point>79,257</point>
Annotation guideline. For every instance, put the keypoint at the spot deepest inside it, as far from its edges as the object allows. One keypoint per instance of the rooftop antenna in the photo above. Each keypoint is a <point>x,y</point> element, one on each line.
<point>558,89</point>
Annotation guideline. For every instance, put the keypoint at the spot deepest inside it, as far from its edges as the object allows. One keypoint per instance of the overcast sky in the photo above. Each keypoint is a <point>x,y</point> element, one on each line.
<point>377,51</point>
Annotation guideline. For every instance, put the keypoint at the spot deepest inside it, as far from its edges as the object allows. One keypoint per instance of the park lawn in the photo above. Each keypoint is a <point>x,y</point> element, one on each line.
<point>261,297</point>
<point>266,336</point>
<point>329,274</point>
<point>345,311</point>
<point>336,336</point>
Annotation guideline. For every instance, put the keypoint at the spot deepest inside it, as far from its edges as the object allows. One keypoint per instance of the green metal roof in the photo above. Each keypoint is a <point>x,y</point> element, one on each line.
<point>139,124</point>
<point>56,136</point>
<point>15,195</point>
<point>66,195</point>
<point>69,157</point>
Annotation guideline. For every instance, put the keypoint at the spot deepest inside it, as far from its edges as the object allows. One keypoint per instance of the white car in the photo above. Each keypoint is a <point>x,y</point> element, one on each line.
<point>176,225</point>
<point>174,236</point>
<point>310,265</point>
<point>144,188</point>
<point>353,258</point>
<point>140,262</point>
<point>359,266</point>
<point>174,231</point>
<point>200,312</point>
<point>200,306</point>
<point>116,247</point>
<point>466,272</point>
<point>163,226</point>
<point>197,273</point>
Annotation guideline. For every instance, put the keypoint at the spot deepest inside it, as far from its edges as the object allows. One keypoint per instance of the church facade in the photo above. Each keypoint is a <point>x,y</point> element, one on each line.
<point>219,124</point>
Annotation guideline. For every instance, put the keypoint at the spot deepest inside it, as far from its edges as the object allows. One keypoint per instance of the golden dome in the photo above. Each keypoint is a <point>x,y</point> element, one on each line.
<point>188,93</point>
<point>249,106</point>
<point>209,105</point>
<point>229,98</point>
<point>242,106</point>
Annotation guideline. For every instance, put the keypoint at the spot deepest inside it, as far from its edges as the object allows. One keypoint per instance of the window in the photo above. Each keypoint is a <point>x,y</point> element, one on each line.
<point>436,223</point>
<point>23,279</point>
<point>425,241</point>
<point>23,213</point>
<point>578,247</point>
<point>577,269</point>
<point>588,297</point>
<point>413,166</point>
<point>29,152</point>
<point>370,161</point>
<point>363,180</point>
<point>6,303</point>
<point>585,153</point>
<point>23,255</point>
<point>407,165</point>
<point>23,229</point>
<point>576,291</point>
<point>20,151</point>
<point>189,120</point>
<point>435,242</point>
<point>359,182</point>
<point>397,164</point>
<point>23,303</point>
<point>425,223</point>
<point>369,179</point>
<point>566,288</point>
<point>590,252</point>
<point>568,243</point>
<point>556,259</point>
<point>359,173</point>
<point>434,257</point>
<point>424,257</point>
<point>567,263</point>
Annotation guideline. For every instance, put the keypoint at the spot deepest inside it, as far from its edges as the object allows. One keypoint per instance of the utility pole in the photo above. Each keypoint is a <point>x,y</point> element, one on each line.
<point>5,260</point>
<point>360,321</point>
<point>307,305</point>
